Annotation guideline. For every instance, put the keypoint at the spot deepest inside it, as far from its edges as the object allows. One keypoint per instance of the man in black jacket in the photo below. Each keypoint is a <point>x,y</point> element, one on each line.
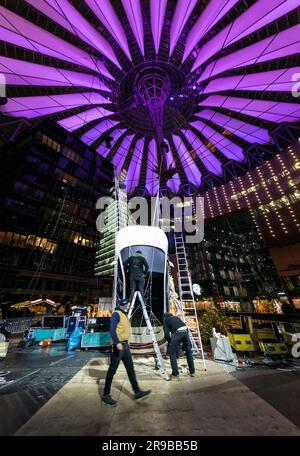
<point>137,266</point>
<point>176,333</point>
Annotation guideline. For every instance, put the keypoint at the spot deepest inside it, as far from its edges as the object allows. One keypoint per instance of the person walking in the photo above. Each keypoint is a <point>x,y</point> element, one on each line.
<point>137,266</point>
<point>176,333</point>
<point>120,329</point>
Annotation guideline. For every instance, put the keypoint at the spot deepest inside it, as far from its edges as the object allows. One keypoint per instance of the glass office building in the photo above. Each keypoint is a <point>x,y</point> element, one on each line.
<point>50,183</point>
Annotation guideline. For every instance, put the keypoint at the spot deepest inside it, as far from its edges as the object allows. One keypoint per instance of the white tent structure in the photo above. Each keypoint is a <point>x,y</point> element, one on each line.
<point>153,244</point>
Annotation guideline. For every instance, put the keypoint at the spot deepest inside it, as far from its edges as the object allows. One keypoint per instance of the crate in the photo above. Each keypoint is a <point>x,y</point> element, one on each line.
<point>40,334</point>
<point>93,340</point>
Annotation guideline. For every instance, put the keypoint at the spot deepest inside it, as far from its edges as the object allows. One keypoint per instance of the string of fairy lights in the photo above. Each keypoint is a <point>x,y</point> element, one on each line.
<point>268,195</point>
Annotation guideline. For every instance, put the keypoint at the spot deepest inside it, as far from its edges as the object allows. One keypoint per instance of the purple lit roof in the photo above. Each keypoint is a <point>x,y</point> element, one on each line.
<point>16,30</point>
<point>268,110</point>
<point>206,156</point>
<point>248,132</point>
<point>107,16</point>
<point>174,182</point>
<point>225,70</point>
<point>214,12</point>
<point>134,169</point>
<point>93,133</point>
<point>39,106</point>
<point>227,147</point>
<point>271,81</point>
<point>74,122</point>
<point>189,164</point>
<point>68,17</point>
<point>134,15</point>
<point>157,12</point>
<point>182,13</point>
<point>115,135</point>
<point>121,153</point>
<point>18,72</point>
<point>259,15</point>
<point>281,45</point>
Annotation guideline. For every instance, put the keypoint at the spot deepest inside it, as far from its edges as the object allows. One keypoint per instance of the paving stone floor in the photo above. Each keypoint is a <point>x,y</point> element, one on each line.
<point>210,404</point>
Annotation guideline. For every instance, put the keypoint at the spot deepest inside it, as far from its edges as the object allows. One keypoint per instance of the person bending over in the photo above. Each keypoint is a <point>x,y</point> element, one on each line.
<point>176,333</point>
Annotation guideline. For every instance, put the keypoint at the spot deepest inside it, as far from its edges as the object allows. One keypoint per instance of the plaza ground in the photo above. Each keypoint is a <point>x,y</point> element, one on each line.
<point>53,392</point>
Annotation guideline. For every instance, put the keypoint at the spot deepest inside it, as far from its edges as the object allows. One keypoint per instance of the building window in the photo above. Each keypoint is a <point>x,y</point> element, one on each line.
<point>69,153</point>
<point>78,239</point>
<point>51,143</point>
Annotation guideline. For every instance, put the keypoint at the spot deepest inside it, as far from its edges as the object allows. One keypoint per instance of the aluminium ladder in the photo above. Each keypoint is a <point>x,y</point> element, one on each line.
<point>186,307</point>
<point>159,358</point>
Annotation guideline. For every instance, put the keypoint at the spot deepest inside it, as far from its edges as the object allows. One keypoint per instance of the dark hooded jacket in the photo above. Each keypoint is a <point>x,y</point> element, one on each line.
<point>170,325</point>
<point>137,266</point>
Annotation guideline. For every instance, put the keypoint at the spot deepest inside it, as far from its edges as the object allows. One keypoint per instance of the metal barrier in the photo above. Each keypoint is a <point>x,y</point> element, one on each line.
<point>18,325</point>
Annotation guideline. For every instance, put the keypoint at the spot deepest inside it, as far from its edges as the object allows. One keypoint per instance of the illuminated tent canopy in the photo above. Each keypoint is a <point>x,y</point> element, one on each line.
<point>39,306</point>
<point>229,68</point>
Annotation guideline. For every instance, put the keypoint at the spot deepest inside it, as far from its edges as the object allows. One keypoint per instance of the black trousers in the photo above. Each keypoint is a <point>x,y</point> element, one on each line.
<point>116,357</point>
<point>136,284</point>
<point>181,337</point>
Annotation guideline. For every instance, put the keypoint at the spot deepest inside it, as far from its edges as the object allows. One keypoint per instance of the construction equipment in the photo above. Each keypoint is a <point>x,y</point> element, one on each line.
<point>242,338</point>
<point>270,341</point>
<point>186,305</point>
<point>160,362</point>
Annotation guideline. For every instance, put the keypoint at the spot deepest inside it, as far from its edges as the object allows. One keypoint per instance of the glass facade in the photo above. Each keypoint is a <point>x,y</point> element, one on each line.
<point>117,216</point>
<point>232,264</point>
<point>270,192</point>
<point>50,183</point>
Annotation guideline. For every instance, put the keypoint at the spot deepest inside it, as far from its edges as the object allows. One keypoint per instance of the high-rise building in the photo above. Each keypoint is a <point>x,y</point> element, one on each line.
<point>50,183</point>
<point>232,265</point>
<point>117,216</point>
<point>271,195</point>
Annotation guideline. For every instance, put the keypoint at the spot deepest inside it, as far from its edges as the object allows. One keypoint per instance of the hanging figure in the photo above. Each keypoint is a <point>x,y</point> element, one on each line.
<point>176,333</point>
<point>120,329</point>
<point>137,266</point>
